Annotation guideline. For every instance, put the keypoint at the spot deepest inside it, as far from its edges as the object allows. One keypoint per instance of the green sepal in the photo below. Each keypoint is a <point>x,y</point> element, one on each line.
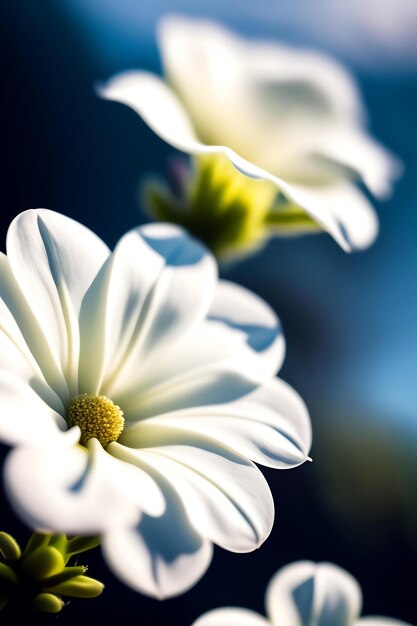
<point>286,218</point>
<point>4,599</point>
<point>78,587</point>
<point>9,547</point>
<point>8,574</point>
<point>76,545</point>
<point>44,562</point>
<point>220,206</point>
<point>37,540</point>
<point>59,542</point>
<point>66,574</point>
<point>48,603</point>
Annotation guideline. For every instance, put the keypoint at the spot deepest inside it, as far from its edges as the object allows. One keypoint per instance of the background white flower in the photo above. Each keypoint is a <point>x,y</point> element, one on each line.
<point>290,116</point>
<point>304,594</point>
<point>190,361</point>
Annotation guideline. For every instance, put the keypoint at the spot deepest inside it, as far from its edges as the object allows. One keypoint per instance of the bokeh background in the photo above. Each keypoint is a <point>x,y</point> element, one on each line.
<point>349,320</point>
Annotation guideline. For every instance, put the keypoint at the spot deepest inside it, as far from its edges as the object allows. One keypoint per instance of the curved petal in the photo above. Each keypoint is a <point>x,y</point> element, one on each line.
<point>156,103</point>
<point>231,616</point>
<point>225,496</point>
<point>310,594</point>
<point>241,309</point>
<point>70,489</point>
<point>24,417</point>
<point>133,308</point>
<point>54,260</point>
<point>161,557</point>
<point>270,426</point>
<point>15,357</point>
<point>354,149</point>
<point>212,364</point>
<point>339,208</point>
<point>202,62</point>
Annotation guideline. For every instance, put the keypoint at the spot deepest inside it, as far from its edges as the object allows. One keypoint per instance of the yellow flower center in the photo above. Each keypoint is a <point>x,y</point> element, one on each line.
<point>96,416</point>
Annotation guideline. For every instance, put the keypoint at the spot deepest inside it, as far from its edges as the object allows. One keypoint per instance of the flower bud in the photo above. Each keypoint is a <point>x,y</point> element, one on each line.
<point>79,587</point>
<point>9,547</point>
<point>48,603</point>
<point>8,574</point>
<point>44,562</point>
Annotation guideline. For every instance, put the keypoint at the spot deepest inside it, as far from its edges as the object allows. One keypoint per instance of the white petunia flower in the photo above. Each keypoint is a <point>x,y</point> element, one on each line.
<point>136,389</point>
<point>281,114</point>
<point>301,594</point>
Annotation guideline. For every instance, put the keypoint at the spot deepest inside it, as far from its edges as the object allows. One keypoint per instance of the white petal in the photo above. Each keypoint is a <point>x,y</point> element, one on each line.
<point>362,155</point>
<point>231,616</point>
<point>54,260</point>
<point>157,284</point>
<point>310,594</point>
<point>340,208</point>
<point>15,357</point>
<point>73,490</point>
<point>161,556</point>
<point>156,103</point>
<point>203,64</point>
<point>225,496</point>
<point>380,621</point>
<point>270,426</point>
<point>239,308</point>
<point>210,365</point>
<point>24,417</point>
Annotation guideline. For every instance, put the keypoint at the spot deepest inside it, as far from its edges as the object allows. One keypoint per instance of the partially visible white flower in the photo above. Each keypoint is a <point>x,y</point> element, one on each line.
<point>304,594</point>
<point>285,115</point>
<point>137,389</point>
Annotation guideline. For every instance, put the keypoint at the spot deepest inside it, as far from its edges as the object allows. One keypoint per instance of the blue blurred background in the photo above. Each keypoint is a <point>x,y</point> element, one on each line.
<point>350,320</point>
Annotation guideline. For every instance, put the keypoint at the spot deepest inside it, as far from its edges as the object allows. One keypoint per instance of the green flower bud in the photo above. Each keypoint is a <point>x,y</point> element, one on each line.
<point>78,587</point>
<point>76,545</point>
<point>66,574</point>
<point>48,603</point>
<point>36,541</point>
<point>44,562</point>
<point>7,574</point>
<point>60,543</point>
<point>9,547</point>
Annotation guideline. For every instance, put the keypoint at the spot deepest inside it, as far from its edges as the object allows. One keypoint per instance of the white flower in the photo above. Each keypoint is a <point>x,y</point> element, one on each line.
<point>301,594</point>
<point>190,361</point>
<point>289,116</point>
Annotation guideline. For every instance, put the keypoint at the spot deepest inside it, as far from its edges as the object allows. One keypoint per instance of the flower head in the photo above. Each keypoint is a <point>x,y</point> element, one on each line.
<point>136,389</point>
<point>280,114</point>
<point>317,594</point>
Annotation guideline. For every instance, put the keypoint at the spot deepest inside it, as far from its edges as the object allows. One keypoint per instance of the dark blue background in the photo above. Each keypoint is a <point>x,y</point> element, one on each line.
<point>349,320</point>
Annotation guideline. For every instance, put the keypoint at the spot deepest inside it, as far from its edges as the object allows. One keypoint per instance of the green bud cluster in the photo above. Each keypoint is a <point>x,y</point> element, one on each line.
<point>232,213</point>
<point>39,577</point>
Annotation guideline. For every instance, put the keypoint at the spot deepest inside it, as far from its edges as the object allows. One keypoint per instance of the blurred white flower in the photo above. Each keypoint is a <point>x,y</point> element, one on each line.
<point>136,389</point>
<point>317,594</point>
<point>289,116</point>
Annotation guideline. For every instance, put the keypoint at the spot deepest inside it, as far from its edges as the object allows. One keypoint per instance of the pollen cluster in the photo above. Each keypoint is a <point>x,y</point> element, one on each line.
<point>96,416</point>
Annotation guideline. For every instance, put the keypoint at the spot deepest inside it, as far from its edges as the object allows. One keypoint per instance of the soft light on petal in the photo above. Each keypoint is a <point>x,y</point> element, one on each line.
<point>271,426</point>
<point>26,419</point>
<point>54,260</point>
<point>73,490</point>
<point>161,556</point>
<point>130,313</point>
<point>239,308</point>
<point>225,496</point>
<point>310,594</point>
<point>231,616</point>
